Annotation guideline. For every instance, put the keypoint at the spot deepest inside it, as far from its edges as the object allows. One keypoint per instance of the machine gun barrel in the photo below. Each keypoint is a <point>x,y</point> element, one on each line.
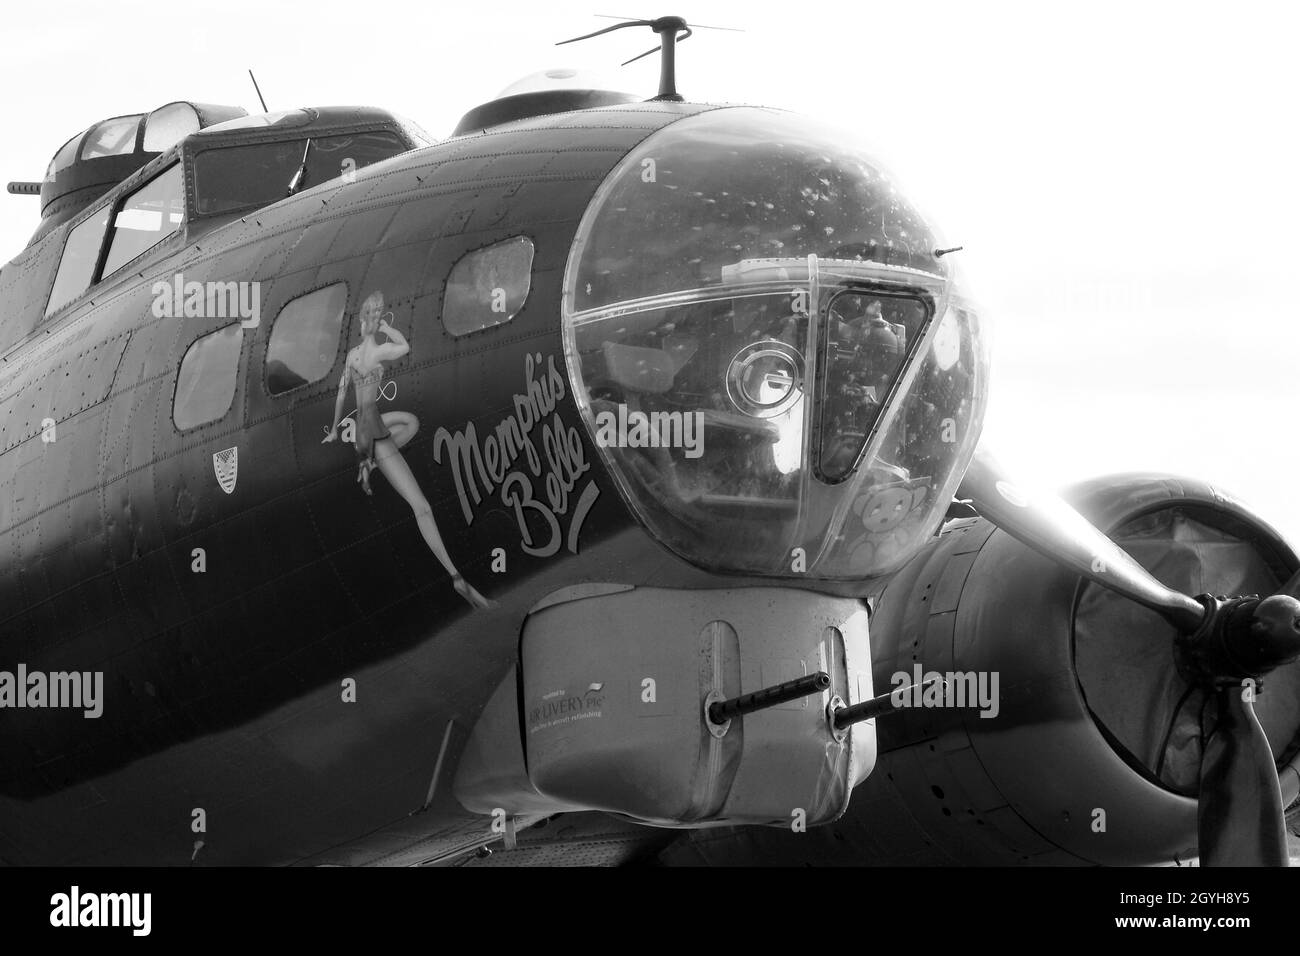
<point>881,706</point>
<point>721,711</point>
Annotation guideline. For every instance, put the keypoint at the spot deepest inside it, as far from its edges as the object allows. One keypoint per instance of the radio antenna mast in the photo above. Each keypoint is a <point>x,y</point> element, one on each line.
<point>668,29</point>
<point>259,91</point>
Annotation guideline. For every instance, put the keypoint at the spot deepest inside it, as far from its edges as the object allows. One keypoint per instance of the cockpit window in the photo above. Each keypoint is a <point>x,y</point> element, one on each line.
<point>145,218</point>
<point>233,178</point>
<point>282,119</point>
<point>80,255</point>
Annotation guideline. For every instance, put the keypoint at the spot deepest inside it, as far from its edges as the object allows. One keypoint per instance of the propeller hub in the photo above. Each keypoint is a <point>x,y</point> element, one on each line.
<point>1276,628</point>
<point>1240,638</point>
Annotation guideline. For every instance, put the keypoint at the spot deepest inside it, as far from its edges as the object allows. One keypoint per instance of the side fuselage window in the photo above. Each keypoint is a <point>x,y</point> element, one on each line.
<point>305,339</point>
<point>146,217</point>
<point>488,286</point>
<point>206,383</point>
<point>77,267</point>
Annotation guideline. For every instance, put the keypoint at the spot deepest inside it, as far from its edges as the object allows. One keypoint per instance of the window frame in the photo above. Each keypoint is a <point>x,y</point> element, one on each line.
<point>340,347</point>
<point>206,141</point>
<point>120,203</point>
<point>135,139</point>
<point>446,286</point>
<point>144,126</point>
<point>239,363</point>
<point>911,355</point>
<point>94,210</point>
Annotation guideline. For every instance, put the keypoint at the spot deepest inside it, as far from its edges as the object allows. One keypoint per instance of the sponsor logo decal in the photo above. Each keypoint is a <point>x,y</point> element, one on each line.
<point>560,707</point>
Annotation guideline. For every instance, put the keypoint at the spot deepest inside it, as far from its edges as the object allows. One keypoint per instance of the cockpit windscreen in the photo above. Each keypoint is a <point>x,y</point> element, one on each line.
<point>233,178</point>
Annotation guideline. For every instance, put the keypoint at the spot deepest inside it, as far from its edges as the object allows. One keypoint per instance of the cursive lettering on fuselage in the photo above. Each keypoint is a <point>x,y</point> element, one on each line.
<point>536,485</point>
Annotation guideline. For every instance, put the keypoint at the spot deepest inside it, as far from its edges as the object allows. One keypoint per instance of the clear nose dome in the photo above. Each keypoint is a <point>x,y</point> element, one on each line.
<point>770,357</point>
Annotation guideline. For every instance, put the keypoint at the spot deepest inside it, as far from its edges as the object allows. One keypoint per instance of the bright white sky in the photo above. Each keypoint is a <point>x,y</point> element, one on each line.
<point>1123,175</point>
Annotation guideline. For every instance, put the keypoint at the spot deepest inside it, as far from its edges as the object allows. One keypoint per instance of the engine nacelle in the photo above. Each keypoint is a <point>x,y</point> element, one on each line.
<point>1089,751</point>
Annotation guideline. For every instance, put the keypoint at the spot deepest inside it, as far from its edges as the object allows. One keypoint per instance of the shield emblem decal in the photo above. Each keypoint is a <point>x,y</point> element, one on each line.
<point>226,465</point>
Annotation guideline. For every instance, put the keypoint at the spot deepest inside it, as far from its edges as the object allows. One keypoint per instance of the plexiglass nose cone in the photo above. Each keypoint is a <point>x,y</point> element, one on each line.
<point>776,368</point>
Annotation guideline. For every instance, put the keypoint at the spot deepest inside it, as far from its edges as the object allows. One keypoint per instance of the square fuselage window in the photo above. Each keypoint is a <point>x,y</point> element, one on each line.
<point>305,339</point>
<point>209,372</point>
<point>488,286</point>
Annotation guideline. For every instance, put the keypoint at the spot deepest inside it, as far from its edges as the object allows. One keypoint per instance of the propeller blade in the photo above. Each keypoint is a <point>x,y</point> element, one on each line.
<point>1239,817</point>
<point>1050,526</point>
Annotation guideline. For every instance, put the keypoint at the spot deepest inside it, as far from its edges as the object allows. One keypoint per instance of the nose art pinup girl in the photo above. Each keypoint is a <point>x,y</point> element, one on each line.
<point>380,438</point>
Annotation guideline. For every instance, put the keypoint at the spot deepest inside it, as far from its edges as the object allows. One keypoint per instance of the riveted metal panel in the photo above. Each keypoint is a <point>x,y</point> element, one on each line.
<point>39,392</point>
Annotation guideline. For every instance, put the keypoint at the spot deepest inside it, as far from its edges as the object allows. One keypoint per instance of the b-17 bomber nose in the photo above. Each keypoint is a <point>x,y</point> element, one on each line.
<point>769,350</point>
